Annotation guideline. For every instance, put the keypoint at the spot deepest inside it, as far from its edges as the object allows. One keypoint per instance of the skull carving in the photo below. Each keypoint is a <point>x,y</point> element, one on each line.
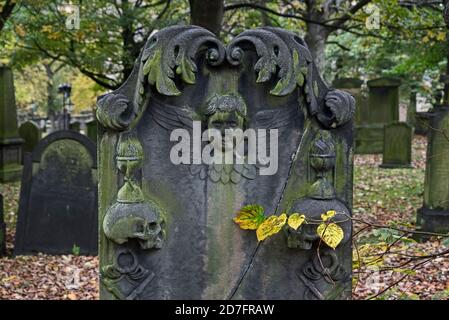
<point>142,221</point>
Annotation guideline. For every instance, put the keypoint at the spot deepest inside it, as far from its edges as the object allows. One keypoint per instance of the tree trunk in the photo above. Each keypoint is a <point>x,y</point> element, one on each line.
<point>316,38</point>
<point>446,84</point>
<point>6,12</point>
<point>207,14</point>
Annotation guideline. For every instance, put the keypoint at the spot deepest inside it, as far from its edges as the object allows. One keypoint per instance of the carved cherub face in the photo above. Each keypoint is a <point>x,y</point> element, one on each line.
<point>226,113</point>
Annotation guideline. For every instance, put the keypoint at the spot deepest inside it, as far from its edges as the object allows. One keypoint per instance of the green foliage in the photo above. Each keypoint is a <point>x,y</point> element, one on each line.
<point>105,46</point>
<point>76,250</point>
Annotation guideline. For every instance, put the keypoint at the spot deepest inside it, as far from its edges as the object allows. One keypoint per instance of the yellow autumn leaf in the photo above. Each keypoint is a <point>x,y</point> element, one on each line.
<point>331,234</point>
<point>441,36</point>
<point>20,30</point>
<point>47,28</point>
<point>425,39</point>
<point>296,220</point>
<point>250,217</point>
<point>329,214</point>
<point>270,226</point>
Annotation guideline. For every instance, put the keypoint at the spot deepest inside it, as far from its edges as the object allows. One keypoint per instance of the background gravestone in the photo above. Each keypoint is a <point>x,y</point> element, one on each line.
<point>397,149</point>
<point>383,108</point>
<point>58,197</point>
<point>167,230</point>
<point>75,126</point>
<point>2,229</point>
<point>31,135</point>
<point>10,142</point>
<point>434,215</point>
<point>354,87</point>
<point>92,129</point>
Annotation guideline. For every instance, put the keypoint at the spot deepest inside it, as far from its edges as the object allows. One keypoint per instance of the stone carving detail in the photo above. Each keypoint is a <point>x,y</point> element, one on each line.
<point>126,278</point>
<point>315,275</point>
<point>131,216</point>
<point>185,74</point>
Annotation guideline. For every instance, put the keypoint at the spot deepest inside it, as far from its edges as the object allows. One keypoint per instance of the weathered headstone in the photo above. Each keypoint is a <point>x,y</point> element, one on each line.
<point>92,129</point>
<point>31,135</point>
<point>10,142</point>
<point>434,215</point>
<point>166,228</point>
<point>2,229</point>
<point>354,87</point>
<point>383,108</point>
<point>58,197</point>
<point>75,126</point>
<point>397,149</point>
<point>384,100</point>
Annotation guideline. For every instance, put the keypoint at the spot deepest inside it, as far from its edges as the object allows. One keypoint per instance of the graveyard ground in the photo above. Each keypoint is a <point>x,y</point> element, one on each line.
<point>381,197</point>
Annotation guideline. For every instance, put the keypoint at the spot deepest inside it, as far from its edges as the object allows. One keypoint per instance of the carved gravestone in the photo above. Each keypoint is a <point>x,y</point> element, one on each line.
<point>166,226</point>
<point>2,229</point>
<point>92,129</point>
<point>434,215</point>
<point>10,142</point>
<point>397,149</point>
<point>58,197</point>
<point>383,106</point>
<point>31,135</point>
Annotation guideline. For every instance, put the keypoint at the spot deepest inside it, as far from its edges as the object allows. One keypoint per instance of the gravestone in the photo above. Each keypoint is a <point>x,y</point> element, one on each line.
<point>434,214</point>
<point>75,126</point>
<point>397,149</point>
<point>383,108</point>
<point>58,197</point>
<point>2,229</point>
<point>31,135</point>
<point>166,226</point>
<point>354,87</point>
<point>10,142</point>
<point>411,108</point>
<point>92,129</point>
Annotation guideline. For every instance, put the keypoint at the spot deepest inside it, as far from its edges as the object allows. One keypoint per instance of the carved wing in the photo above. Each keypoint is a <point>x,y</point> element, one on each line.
<point>276,118</point>
<point>172,117</point>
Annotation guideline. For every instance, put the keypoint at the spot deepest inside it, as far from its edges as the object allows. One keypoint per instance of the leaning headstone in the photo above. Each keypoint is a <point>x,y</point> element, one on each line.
<point>10,142</point>
<point>397,149</point>
<point>383,106</point>
<point>92,129</point>
<point>58,197</point>
<point>2,229</point>
<point>166,211</point>
<point>434,215</point>
<point>31,135</point>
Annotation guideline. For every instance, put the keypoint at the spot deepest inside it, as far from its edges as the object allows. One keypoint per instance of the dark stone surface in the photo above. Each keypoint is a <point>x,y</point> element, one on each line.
<point>166,230</point>
<point>2,229</point>
<point>354,87</point>
<point>369,138</point>
<point>422,122</point>
<point>383,108</point>
<point>31,135</point>
<point>58,197</point>
<point>434,215</point>
<point>92,129</point>
<point>397,148</point>
<point>10,142</point>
